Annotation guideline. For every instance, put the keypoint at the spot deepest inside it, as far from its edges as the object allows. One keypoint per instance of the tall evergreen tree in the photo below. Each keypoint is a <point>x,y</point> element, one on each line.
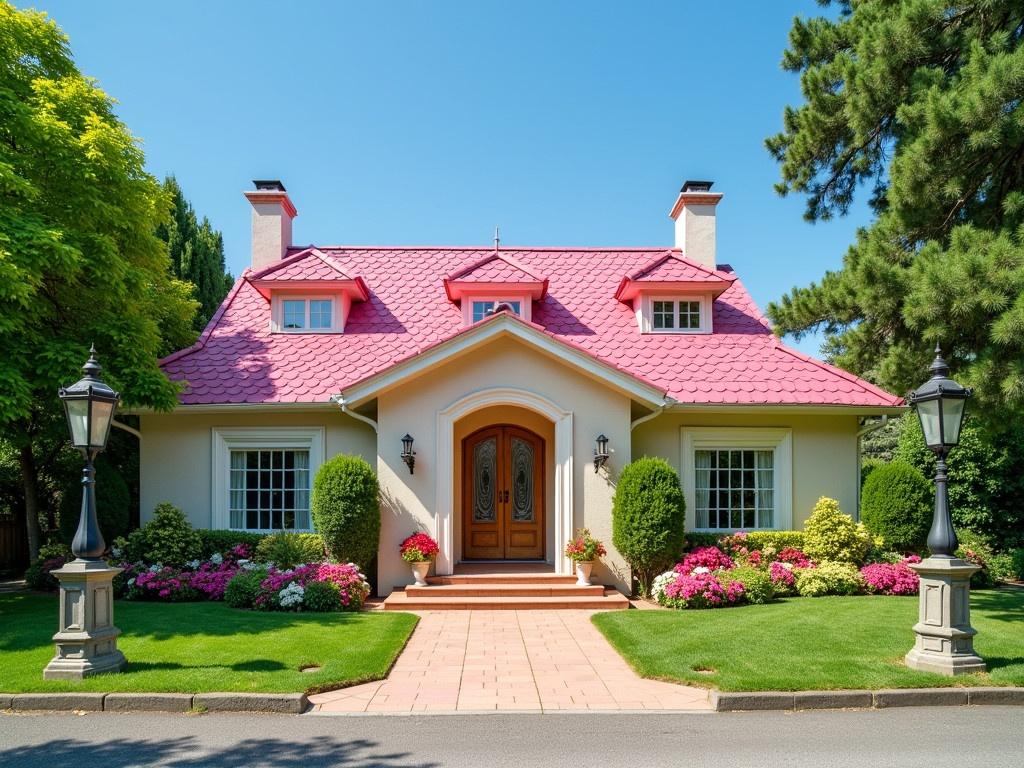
<point>918,103</point>
<point>197,253</point>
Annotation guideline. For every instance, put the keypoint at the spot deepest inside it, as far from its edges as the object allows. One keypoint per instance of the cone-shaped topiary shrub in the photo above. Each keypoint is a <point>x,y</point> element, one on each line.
<point>896,505</point>
<point>345,509</point>
<point>648,518</point>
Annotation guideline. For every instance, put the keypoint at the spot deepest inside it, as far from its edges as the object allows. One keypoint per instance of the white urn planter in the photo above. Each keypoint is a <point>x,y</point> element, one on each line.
<point>583,569</point>
<point>419,572</point>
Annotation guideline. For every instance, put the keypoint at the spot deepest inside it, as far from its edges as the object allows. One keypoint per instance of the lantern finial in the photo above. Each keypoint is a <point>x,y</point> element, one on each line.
<point>92,368</point>
<point>939,367</point>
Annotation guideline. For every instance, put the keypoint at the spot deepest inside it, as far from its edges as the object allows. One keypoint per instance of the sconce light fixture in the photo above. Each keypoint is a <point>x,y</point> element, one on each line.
<point>600,452</point>
<point>408,454</point>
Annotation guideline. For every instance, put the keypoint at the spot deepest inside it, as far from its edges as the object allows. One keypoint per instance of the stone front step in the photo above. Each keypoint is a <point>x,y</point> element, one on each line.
<point>501,578</point>
<point>514,589</point>
<point>400,601</point>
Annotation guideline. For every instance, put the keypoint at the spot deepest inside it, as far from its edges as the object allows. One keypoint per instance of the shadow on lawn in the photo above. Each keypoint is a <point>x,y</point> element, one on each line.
<point>999,604</point>
<point>253,665</point>
<point>188,751</point>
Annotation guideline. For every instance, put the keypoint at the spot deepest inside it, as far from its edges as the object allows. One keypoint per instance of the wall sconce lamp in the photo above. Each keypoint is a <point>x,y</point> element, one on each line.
<point>600,452</point>
<point>408,454</point>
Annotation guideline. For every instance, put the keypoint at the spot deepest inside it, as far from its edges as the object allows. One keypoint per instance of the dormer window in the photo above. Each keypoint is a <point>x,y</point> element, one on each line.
<point>676,315</point>
<point>483,308</point>
<point>303,314</point>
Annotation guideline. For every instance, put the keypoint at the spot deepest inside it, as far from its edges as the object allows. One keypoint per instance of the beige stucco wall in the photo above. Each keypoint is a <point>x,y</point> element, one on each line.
<point>410,500</point>
<point>824,452</point>
<point>176,461</point>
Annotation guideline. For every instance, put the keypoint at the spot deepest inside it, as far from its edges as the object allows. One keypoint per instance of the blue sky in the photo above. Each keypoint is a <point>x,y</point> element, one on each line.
<point>429,123</point>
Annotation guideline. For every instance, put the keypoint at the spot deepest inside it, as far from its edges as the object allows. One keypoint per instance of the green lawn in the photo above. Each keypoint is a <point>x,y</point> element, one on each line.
<point>203,647</point>
<point>810,643</point>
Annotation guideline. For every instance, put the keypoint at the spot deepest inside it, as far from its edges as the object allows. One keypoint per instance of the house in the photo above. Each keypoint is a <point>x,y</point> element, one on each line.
<point>504,367</point>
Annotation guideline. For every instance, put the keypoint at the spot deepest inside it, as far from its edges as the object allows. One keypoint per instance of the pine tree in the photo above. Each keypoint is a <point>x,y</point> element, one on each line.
<point>919,102</point>
<point>197,253</point>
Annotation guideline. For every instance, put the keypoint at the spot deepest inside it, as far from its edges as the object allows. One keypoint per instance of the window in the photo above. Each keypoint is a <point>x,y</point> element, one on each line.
<point>482,309</point>
<point>734,489</point>
<point>269,490</point>
<point>737,478</point>
<point>305,315</point>
<point>675,316</point>
<point>262,477</point>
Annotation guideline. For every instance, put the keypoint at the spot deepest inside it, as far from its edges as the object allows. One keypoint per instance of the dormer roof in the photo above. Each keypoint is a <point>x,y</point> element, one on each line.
<point>309,269</point>
<point>494,273</point>
<point>671,272</point>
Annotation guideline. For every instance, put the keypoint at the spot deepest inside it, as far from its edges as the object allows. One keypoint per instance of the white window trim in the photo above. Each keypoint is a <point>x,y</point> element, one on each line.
<point>525,304</point>
<point>226,439</point>
<point>277,312</point>
<point>645,313</point>
<point>780,441</point>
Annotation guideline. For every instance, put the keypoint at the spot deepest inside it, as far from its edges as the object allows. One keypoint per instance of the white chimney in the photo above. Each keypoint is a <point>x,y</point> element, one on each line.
<point>694,214</point>
<point>272,214</point>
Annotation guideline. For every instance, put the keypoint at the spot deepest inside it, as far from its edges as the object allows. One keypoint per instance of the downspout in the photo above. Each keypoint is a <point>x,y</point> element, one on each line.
<point>657,412</point>
<point>861,434</point>
<point>358,416</point>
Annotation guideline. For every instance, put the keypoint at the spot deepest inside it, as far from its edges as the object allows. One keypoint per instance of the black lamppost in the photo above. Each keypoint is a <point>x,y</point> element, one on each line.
<point>940,403</point>
<point>87,638</point>
<point>944,635</point>
<point>89,405</point>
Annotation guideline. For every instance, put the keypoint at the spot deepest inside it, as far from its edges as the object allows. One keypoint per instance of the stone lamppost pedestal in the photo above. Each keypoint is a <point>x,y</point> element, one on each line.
<point>87,639</point>
<point>945,637</point>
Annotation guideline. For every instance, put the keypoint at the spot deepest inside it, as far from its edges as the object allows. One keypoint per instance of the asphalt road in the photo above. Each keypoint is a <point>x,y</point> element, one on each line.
<point>987,737</point>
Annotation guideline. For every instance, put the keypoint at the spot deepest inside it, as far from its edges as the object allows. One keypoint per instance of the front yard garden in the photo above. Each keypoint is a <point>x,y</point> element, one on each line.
<point>208,646</point>
<point>807,644</point>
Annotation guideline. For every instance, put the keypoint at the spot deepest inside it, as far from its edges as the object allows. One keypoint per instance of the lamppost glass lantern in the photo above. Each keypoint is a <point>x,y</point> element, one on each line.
<point>89,405</point>
<point>939,403</point>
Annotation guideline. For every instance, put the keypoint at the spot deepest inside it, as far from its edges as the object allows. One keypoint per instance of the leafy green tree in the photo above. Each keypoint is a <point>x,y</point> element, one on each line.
<point>920,105</point>
<point>197,253</point>
<point>79,260</point>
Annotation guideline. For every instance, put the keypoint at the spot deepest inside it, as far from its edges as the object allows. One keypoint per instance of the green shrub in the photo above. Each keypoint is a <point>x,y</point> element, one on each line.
<point>831,535</point>
<point>167,539</point>
<point>648,518</point>
<point>977,548</point>
<point>757,584</point>
<point>1017,564</point>
<point>697,539</point>
<point>829,578</point>
<point>779,540</point>
<point>287,549</point>
<point>224,541</point>
<point>244,588</point>
<point>1001,566</point>
<point>51,557</point>
<point>867,466</point>
<point>322,596</point>
<point>346,511</point>
<point>113,505</point>
<point>896,505</point>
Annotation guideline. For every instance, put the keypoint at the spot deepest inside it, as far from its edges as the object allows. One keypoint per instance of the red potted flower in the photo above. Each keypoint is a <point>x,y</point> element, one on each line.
<point>583,551</point>
<point>419,550</point>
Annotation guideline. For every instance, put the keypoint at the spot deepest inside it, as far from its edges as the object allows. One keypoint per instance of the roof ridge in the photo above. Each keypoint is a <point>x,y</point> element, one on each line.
<point>863,383</point>
<point>671,253</point>
<point>529,248</point>
<point>212,324</point>
<point>463,271</point>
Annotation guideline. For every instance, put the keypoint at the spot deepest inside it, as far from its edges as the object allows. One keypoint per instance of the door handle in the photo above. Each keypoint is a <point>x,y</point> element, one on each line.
<point>504,496</point>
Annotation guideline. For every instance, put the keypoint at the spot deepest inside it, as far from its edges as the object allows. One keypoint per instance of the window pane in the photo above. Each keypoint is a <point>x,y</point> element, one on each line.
<point>273,494</point>
<point>320,314</point>
<point>734,489</point>
<point>294,314</point>
<point>689,315</point>
<point>515,307</point>
<point>663,315</point>
<point>481,309</point>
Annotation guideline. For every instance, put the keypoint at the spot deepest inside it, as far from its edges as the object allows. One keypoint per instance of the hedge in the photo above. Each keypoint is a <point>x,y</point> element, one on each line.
<point>896,505</point>
<point>346,510</point>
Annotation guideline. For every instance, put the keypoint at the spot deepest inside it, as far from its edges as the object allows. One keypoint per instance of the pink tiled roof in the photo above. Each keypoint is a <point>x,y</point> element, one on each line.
<point>494,268</point>
<point>671,267</point>
<point>238,360</point>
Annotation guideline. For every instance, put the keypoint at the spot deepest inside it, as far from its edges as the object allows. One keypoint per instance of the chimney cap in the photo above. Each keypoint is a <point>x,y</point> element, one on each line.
<point>268,185</point>
<point>691,185</point>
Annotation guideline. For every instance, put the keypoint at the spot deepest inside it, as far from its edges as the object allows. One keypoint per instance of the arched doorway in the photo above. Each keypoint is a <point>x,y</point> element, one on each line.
<point>503,495</point>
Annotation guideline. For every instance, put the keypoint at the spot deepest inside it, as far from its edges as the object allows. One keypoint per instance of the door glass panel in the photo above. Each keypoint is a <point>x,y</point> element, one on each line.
<point>485,475</point>
<point>522,480</point>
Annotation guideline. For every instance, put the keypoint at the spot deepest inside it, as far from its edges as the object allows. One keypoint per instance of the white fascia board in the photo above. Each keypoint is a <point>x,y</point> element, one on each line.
<point>809,409</point>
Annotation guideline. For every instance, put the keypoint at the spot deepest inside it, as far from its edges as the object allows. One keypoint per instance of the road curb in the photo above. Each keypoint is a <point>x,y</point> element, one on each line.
<point>277,703</point>
<point>722,701</point>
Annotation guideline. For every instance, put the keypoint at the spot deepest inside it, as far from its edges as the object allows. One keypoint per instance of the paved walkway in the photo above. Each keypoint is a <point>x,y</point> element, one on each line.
<point>509,661</point>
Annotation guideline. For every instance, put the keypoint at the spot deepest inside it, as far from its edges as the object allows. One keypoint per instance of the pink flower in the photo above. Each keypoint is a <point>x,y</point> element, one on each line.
<point>711,558</point>
<point>890,579</point>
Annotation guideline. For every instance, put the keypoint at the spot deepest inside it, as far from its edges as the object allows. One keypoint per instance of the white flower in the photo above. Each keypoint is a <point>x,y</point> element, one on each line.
<point>659,584</point>
<point>115,551</point>
<point>131,582</point>
<point>193,564</point>
<point>787,566</point>
<point>291,595</point>
<point>154,568</point>
<point>700,569</point>
<point>249,565</point>
<point>216,558</point>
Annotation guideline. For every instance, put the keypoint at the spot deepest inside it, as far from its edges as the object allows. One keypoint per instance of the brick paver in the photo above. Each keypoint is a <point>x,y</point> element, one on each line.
<point>509,661</point>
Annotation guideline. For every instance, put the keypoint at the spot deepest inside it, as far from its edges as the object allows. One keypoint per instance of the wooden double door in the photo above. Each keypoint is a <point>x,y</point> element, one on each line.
<point>503,494</point>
